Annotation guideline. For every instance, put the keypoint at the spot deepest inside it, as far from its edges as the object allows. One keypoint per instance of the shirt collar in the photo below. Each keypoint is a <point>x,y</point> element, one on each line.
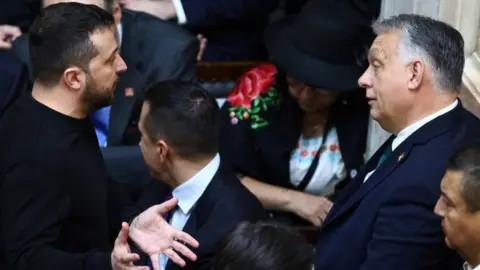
<point>189,192</point>
<point>120,34</point>
<point>406,132</point>
<point>466,266</point>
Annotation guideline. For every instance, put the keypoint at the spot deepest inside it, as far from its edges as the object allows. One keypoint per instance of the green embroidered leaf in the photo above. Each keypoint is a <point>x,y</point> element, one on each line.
<point>232,109</point>
<point>264,105</point>
<point>255,110</point>
<point>255,117</point>
<point>260,123</point>
<point>256,101</point>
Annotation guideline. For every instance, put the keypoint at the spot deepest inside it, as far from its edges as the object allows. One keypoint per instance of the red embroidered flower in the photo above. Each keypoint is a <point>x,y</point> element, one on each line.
<point>251,84</point>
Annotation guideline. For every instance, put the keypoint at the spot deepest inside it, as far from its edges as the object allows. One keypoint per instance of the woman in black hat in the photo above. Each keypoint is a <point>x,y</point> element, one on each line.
<point>296,130</point>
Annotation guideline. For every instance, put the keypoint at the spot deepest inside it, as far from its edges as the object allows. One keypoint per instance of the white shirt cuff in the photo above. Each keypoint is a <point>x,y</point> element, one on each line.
<point>181,16</point>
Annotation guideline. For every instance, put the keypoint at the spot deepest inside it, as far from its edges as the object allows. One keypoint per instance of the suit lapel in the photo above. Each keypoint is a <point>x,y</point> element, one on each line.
<point>203,208</point>
<point>360,189</point>
<point>129,89</point>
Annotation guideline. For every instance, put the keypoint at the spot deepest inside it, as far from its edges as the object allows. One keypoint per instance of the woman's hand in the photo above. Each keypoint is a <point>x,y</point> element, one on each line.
<point>310,207</point>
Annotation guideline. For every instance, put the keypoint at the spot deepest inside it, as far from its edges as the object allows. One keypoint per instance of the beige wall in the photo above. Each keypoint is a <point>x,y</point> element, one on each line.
<point>463,15</point>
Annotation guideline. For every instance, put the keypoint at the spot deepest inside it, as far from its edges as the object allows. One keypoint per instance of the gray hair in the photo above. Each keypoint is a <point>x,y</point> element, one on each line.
<point>440,45</point>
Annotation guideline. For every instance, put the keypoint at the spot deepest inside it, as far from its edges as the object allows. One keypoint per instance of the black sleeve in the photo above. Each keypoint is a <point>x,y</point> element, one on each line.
<point>121,207</point>
<point>33,206</point>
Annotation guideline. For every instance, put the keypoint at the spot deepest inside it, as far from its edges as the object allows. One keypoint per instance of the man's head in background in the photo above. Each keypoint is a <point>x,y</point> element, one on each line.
<point>459,203</point>
<point>111,6</point>
<point>180,130</point>
<point>264,246</point>
<point>74,52</point>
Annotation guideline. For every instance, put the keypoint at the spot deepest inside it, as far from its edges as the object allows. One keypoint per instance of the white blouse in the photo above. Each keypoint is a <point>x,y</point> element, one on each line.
<point>330,169</point>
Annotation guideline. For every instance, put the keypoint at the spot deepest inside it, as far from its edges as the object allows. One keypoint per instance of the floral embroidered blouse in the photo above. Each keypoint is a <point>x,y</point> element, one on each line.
<point>256,93</point>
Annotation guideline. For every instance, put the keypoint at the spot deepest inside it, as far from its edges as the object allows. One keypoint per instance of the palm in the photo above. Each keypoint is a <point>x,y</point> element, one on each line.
<point>152,234</point>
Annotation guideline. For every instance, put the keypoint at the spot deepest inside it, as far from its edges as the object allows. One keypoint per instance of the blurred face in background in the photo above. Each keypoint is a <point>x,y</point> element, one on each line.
<point>113,7</point>
<point>310,99</point>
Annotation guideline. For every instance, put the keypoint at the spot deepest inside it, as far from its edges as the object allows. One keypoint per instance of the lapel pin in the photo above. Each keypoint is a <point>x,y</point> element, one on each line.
<point>401,157</point>
<point>129,92</point>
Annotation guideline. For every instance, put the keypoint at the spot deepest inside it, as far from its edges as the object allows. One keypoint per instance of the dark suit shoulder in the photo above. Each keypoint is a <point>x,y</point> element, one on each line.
<point>152,28</point>
<point>237,202</point>
<point>27,133</point>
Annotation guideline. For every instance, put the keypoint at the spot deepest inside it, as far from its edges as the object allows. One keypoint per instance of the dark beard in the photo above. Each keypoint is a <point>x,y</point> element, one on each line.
<point>93,99</point>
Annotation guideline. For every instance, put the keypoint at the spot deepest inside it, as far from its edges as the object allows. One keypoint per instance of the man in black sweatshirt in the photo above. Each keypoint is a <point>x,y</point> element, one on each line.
<point>58,207</point>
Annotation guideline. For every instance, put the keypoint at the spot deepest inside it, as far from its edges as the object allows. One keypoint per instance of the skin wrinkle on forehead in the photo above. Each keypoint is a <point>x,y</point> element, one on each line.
<point>378,52</point>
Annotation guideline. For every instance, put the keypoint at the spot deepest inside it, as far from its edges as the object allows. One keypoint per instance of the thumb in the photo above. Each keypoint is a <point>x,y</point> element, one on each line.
<point>123,234</point>
<point>166,206</point>
<point>5,44</point>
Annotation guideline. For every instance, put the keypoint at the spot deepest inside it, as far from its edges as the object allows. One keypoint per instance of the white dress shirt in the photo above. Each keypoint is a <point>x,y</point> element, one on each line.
<point>466,266</point>
<point>181,16</point>
<point>188,194</point>
<point>120,34</point>
<point>406,132</point>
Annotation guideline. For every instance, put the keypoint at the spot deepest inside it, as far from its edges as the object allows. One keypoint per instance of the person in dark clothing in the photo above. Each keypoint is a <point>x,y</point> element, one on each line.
<point>264,246</point>
<point>57,204</point>
<point>179,126</point>
<point>12,77</point>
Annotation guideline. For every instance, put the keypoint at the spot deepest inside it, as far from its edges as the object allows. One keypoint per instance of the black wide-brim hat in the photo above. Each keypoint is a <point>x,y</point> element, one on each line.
<point>325,45</point>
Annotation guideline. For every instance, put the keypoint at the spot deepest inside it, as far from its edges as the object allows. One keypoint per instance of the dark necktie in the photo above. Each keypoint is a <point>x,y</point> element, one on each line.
<point>386,152</point>
<point>169,214</point>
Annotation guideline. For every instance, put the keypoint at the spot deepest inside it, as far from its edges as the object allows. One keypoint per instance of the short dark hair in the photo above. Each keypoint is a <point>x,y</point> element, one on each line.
<point>264,246</point>
<point>185,116</point>
<point>467,161</point>
<point>60,38</point>
<point>441,44</point>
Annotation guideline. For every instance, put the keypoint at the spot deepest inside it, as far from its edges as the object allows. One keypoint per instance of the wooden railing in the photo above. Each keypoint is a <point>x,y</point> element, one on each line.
<point>222,71</point>
<point>219,77</point>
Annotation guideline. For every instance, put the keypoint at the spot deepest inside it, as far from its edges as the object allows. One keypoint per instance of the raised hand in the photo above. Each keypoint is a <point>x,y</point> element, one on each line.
<point>8,34</point>
<point>122,258</point>
<point>152,234</point>
<point>203,46</point>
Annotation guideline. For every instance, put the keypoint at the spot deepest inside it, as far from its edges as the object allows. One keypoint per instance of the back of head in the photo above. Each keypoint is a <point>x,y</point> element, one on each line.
<point>467,162</point>
<point>264,246</point>
<point>439,44</point>
<point>60,38</point>
<point>185,116</point>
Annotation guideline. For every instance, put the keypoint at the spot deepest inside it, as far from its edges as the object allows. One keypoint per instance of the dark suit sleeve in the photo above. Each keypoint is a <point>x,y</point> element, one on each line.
<point>217,12</point>
<point>173,57</point>
<point>33,205</point>
<point>407,234</point>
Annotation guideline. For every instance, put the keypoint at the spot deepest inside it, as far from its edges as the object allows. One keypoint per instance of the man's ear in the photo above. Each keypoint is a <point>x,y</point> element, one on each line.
<point>416,72</point>
<point>117,13</point>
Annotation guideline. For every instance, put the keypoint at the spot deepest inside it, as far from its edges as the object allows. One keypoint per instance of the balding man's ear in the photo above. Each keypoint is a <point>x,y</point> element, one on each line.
<point>417,73</point>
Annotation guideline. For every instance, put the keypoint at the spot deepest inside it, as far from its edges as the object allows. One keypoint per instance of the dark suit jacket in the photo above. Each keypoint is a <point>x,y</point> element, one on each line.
<point>234,28</point>
<point>154,50</point>
<point>388,221</point>
<point>20,13</point>
<point>224,204</point>
<point>13,78</point>
<point>264,153</point>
